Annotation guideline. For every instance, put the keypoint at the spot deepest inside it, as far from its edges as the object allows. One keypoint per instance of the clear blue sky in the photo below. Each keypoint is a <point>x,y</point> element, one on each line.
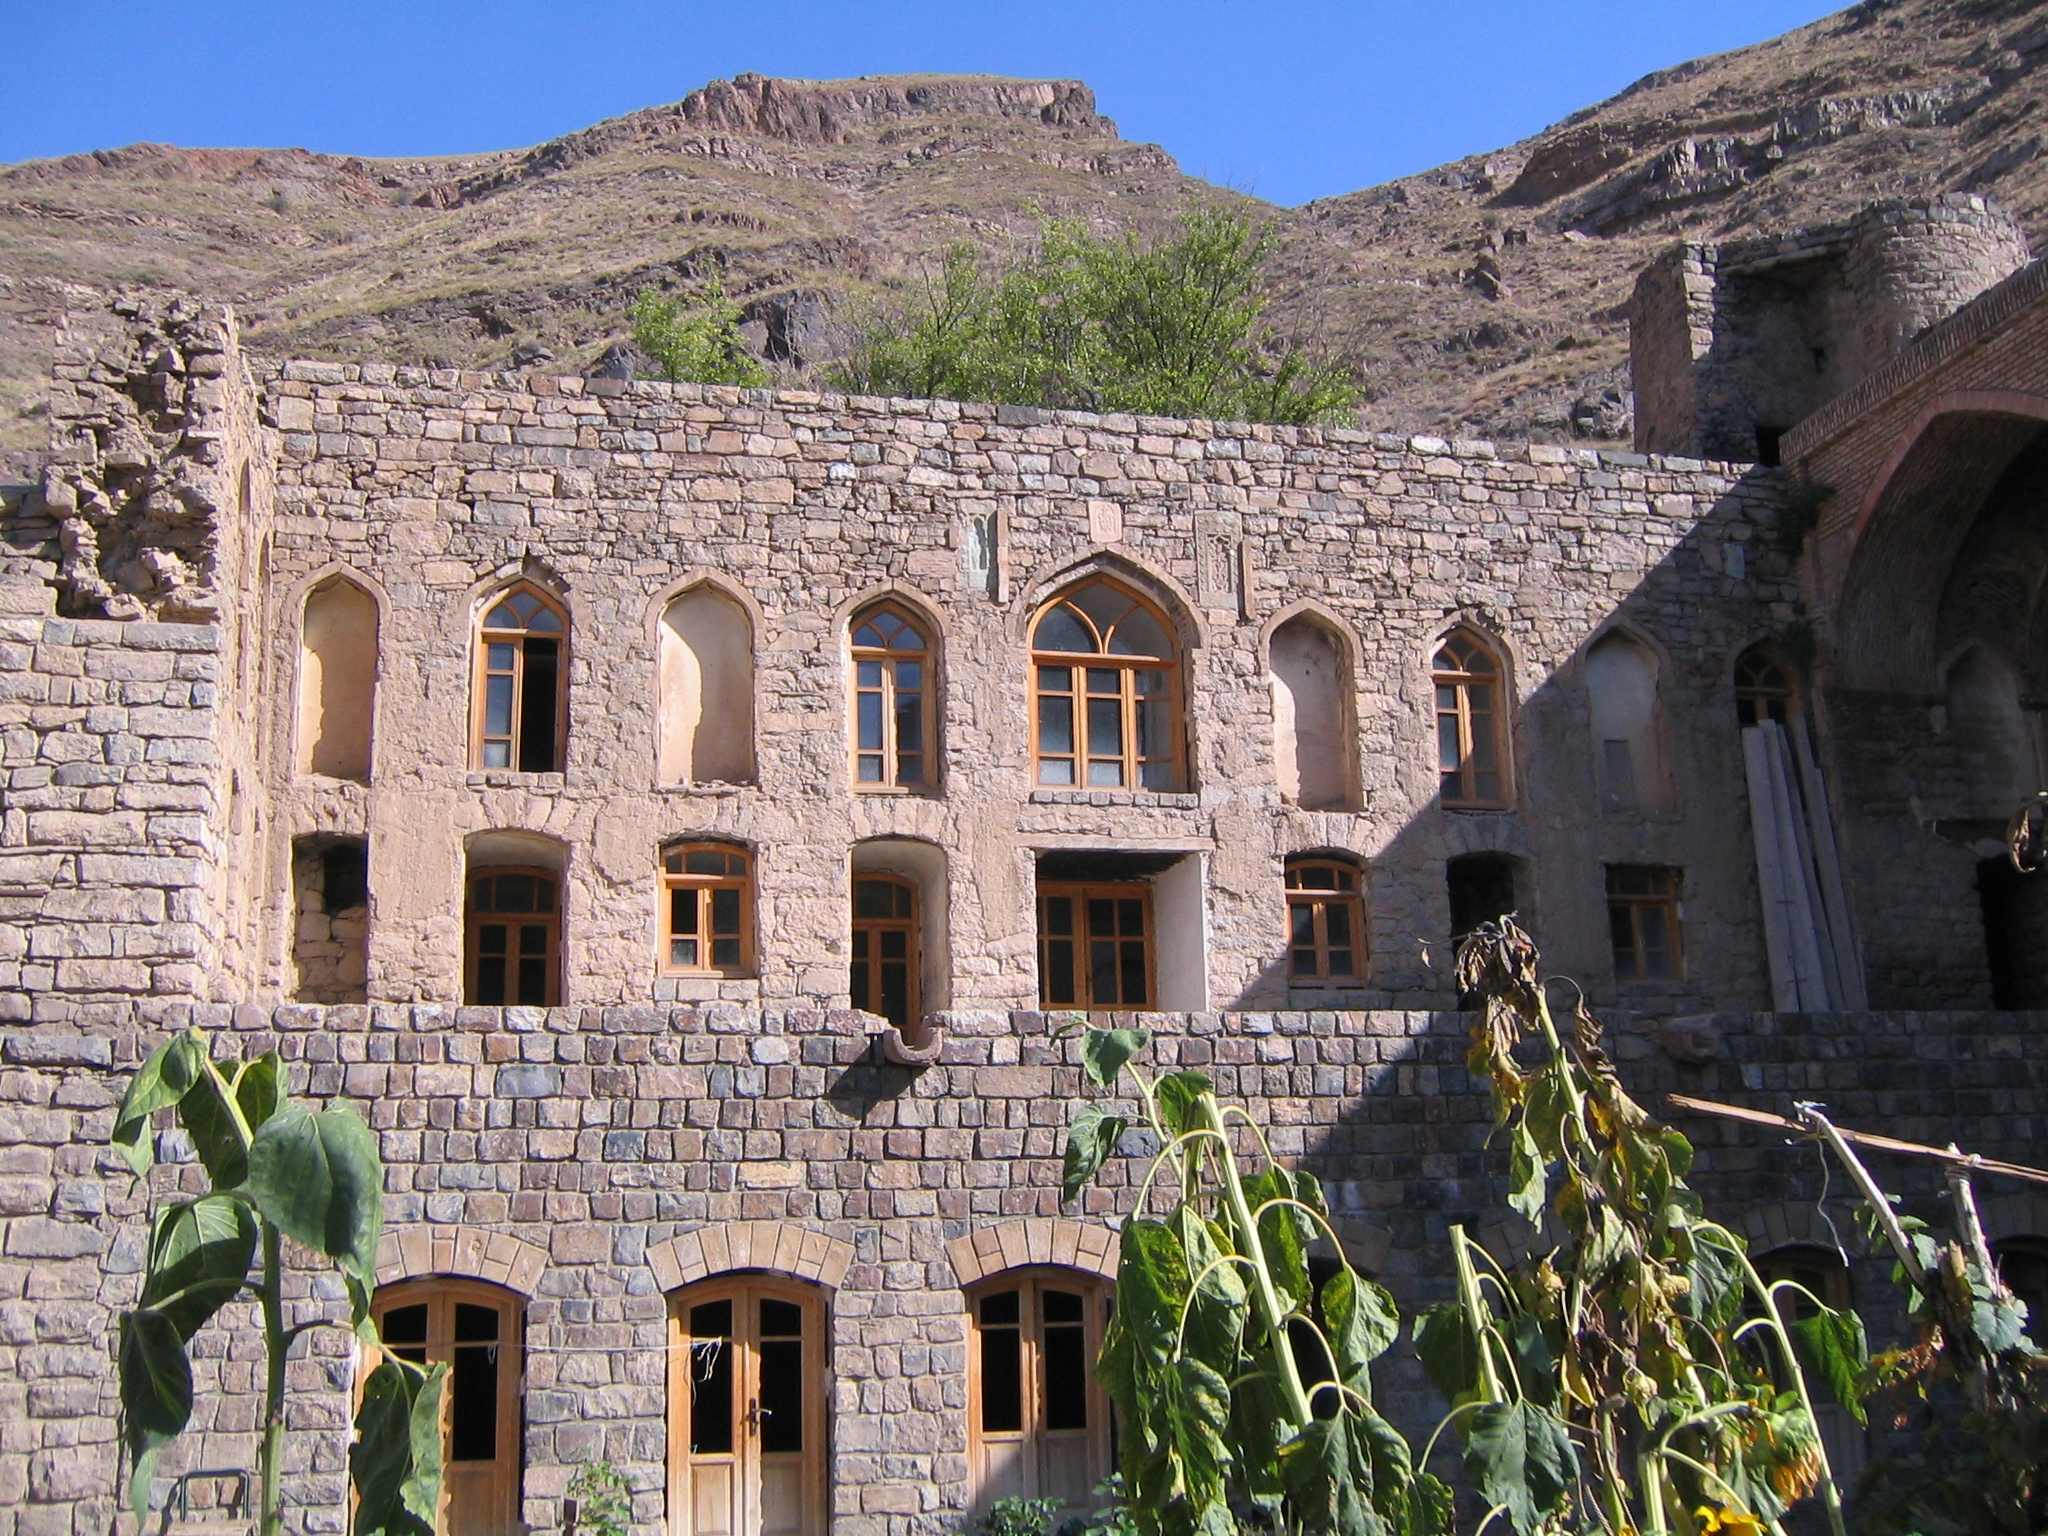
<point>1290,99</point>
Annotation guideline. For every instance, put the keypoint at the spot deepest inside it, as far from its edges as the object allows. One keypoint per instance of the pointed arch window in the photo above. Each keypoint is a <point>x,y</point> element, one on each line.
<point>1763,688</point>
<point>1105,684</point>
<point>893,720</point>
<point>1471,748</point>
<point>522,678</point>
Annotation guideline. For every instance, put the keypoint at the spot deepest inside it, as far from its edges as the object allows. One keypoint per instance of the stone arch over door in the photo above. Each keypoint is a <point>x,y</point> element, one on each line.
<point>782,1246</point>
<point>1033,1240</point>
<point>470,1253</point>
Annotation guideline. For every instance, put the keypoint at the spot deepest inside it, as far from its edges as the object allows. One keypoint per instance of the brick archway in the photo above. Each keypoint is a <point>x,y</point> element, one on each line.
<point>1033,1240</point>
<point>802,1252</point>
<point>475,1253</point>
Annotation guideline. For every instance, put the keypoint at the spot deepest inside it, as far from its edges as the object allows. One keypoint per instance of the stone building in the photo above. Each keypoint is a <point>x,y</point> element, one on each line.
<point>681,819</point>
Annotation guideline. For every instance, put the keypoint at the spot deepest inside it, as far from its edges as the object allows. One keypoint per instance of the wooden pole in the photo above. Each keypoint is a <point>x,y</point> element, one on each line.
<point>1686,1104</point>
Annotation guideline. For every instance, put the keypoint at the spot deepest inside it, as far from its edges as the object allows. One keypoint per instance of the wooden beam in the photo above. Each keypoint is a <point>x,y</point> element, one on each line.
<point>1686,1104</point>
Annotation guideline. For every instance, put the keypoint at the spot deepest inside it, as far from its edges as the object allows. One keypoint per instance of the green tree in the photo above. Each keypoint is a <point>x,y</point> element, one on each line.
<point>1172,327</point>
<point>698,341</point>
<point>274,1169</point>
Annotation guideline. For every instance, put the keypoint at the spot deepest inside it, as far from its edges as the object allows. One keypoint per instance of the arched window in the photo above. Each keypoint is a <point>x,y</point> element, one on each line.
<point>1038,1422</point>
<point>884,975</point>
<point>337,680</point>
<point>1470,746</point>
<point>706,687</point>
<point>477,1330</point>
<point>1105,686</point>
<point>1763,688</point>
<point>1314,742</point>
<point>513,953</point>
<point>893,720</point>
<point>708,893</point>
<point>1628,734</point>
<point>746,1408</point>
<point>1325,924</point>
<point>522,681</point>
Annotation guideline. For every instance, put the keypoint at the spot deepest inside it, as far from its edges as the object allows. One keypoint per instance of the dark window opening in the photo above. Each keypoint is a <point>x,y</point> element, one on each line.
<point>1768,446</point>
<point>782,1376</point>
<point>1002,1363</point>
<point>2015,908</point>
<point>344,876</point>
<point>711,1378</point>
<point>1482,890</point>
<point>473,1385</point>
<point>1065,1344</point>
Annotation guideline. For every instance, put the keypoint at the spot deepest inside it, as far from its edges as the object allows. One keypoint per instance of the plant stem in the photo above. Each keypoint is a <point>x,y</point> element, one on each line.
<point>274,1348</point>
<point>1468,1293</point>
<point>1830,1496</point>
<point>1271,1314</point>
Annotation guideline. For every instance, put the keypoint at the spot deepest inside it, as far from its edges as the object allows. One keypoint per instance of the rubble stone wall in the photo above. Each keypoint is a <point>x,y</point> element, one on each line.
<point>594,1159</point>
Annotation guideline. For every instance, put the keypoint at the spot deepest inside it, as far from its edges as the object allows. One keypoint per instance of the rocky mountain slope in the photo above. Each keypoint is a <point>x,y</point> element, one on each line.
<point>1486,297</point>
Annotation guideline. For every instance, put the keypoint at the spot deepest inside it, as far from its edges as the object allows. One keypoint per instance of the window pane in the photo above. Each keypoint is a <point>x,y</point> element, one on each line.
<point>1622,931</point>
<point>1062,629</point>
<point>1055,730</point>
<point>473,1400</point>
<point>1656,940</point>
<point>491,939</point>
<point>533,939</point>
<point>895,989</point>
<point>533,983</point>
<point>874,898</point>
<point>704,861</point>
<point>497,754</point>
<point>1302,920</point>
<point>868,722</point>
<point>1002,1378</point>
<point>868,673</point>
<point>1337,923</point>
<point>1102,973</point>
<point>725,953</point>
<point>1059,972</point>
<point>1136,992</point>
<point>1130,916</point>
<point>1059,914</point>
<point>498,704</point>
<point>537,709</point>
<point>1138,634</point>
<point>1447,755</point>
<point>490,980</point>
<point>682,911</point>
<point>682,953</point>
<point>1101,918</point>
<point>725,910</point>
<point>909,676</point>
<point>404,1325</point>
<point>711,1378</point>
<point>909,737</point>
<point>1105,680</point>
<point>1106,730</point>
<point>1066,1374</point>
<point>868,635</point>
<point>782,1385</point>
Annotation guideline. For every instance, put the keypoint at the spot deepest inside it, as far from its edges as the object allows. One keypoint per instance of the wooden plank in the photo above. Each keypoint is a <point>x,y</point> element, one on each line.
<point>1686,1104</point>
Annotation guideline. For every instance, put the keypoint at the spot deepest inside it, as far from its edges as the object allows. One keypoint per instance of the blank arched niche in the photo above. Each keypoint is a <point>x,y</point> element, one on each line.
<point>337,680</point>
<point>1628,731</point>
<point>1314,739</point>
<point>1993,753</point>
<point>924,866</point>
<point>706,667</point>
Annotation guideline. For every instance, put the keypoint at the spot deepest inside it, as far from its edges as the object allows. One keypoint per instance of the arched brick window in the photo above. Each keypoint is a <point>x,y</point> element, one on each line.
<point>520,715</point>
<point>894,723</point>
<point>707,910</point>
<point>1105,691</point>
<point>1471,739</point>
<point>1038,1422</point>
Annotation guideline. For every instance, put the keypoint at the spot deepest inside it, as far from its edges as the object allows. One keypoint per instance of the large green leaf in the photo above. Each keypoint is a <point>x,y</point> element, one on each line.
<point>1527,1173</point>
<point>199,1257</point>
<point>396,1460</point>
<point>1326,1482</point>
<point>1217,1310</point>
<point>1431,1507</point>
<point>1363,1323</point>
<point>1448,1351</point>
<point>214,1123</point>
<point>156,1396</point>
<point>1177,1096</point>
<point>1714,1294</point>
<point>1831,1347</point>
<point>1520,1457</point>
<point>160,1082</point>
<point>1104,1052</point>
<point>1198,1402</point>
<point>1091,1141</point>
<point>318,1177</point>
<point>259,1088</point>
<point>1257,1423</point>
<point>1151,1285</point>
<point>1284,1234</point>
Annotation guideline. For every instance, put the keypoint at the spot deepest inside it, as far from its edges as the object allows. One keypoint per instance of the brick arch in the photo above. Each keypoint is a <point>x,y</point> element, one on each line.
<point>1033,1240</point>
<point>2017,1215</point>
<point>474,1253</point>
<point>1795,1224</point>
<point>802,1252</point>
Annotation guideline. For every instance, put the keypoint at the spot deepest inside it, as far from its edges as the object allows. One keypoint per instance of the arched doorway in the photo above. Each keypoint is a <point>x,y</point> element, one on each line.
<point>746,1400</point>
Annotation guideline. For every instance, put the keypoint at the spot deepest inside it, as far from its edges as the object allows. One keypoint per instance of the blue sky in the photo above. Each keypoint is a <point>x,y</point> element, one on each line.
<point>1289,99</point>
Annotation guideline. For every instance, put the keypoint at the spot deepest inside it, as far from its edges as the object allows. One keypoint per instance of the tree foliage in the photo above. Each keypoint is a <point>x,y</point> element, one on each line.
<point>1172,327</point>
<point>275,1169</point>
<point>1242,1387</point>
<point>696,340</point>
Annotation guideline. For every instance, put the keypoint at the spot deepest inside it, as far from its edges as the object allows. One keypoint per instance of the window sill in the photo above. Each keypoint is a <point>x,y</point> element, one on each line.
<point>1468,808</point>
<point>697,987</point>
<point>708,787</point>
<point>1171,800</point>
<point>895,792</point>
<point>505,778</point>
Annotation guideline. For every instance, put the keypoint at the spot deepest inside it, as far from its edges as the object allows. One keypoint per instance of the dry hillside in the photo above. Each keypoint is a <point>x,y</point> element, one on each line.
<point>1484,297</point>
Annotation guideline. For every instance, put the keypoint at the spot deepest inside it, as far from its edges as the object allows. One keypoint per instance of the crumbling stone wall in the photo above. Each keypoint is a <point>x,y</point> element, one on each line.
<point>563,1152</point>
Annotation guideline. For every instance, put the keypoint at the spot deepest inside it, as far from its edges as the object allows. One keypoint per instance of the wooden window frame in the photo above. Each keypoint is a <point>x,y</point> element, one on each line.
<point>1319,901</point>
<point>891,751</point>
<point>481,673</point>
<point>1031,1280</point>
<point>673,881</point>
<point>1463,681</point>
<point>445,1291</point>
<point>1078,664</point>
<point>871,929</point>
<point>1081,892</point>
<point>746,1291</point>
<point>474,919</point>
<point>1635,903</point>
<point>1754,696</point>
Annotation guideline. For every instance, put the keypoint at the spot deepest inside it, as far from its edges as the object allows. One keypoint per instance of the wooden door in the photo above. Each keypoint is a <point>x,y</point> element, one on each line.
<point>1038,1421</point>
<point>476,1329</point>
<point>747,1409</point>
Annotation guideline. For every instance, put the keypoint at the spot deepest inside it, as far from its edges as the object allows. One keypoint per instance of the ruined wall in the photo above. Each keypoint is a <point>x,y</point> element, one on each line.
<point>433,489</point>
<point>561,1152</point>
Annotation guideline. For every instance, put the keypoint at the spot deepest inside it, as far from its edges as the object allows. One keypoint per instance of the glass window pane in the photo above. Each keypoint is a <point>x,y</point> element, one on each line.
<point>909,676</point>
<point>725,910</point>
<point>711,1405</point>
<point>1059,914</point>
<point>909,723</point>
<point>1055,727</point>
<point>1066,1375</point>
<point>868,722</point>
<point>1002,1378</point>
<point>874,898</point>
<point>1337,923</point>
<point>498,706</point>
<point>1102,973</point>
<point>1101,918</point>
<point>545,620</point>
<point>870,768</point>
<point>404,1325</point>
<point>1341,963</point>
<point>1447,755</point>
<point>533,982</point>
<point>682,911</point>
<point>497,754</point>
<point>1105,728</point>
<point>490,980</point>
<point>473,1400</point>
<point>705,861</point>
<point>725,953</point>
<point>1139,634</point>
<point>491,938</point>
<point>1303,916</point>
<point>1058,981</point>
<point>782,1391</point>
<point>1105,680</point>
<point>1135,993</point>
<point>682,953</point>
<point>1062,629</point>
<point>868,674</point>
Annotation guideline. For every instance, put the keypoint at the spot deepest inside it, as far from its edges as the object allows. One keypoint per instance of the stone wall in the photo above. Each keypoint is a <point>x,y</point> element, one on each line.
<point>592,1159</point>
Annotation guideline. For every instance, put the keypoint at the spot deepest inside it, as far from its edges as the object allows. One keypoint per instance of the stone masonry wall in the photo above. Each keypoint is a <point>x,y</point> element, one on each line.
<point>562,1152</point>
